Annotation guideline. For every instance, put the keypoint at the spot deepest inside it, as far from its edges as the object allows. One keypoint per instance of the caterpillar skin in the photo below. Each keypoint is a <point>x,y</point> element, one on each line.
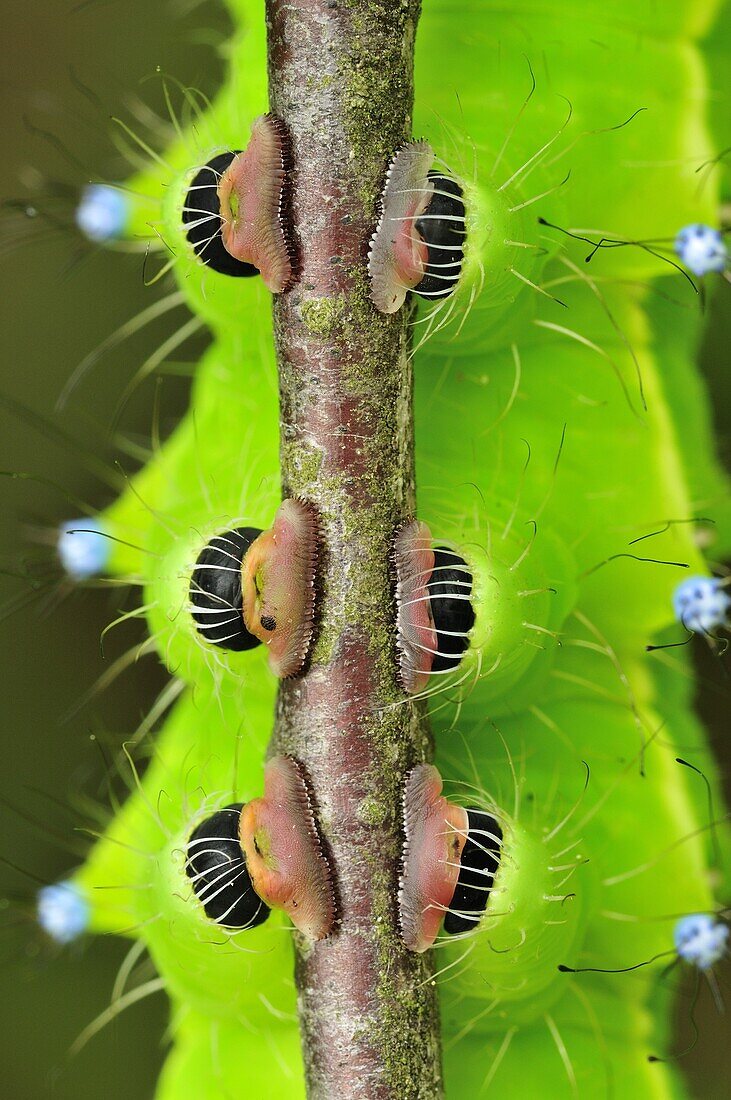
<point>537,537</point>
<point>207,125</point>
<point>508,374</point>
<point>236,985</point>
<point>237,311</point>
<point>605,615</point>
<point>213,1053</point>
<point>667,796</point>
<point>614,907</point>
<point>233,982</point>
<point>495,147</point>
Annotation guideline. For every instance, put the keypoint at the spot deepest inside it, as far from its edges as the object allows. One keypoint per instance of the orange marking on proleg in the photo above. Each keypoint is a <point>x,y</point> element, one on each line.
<point>278,586</point>
<point>284,856</point>
<point>416,637</point>
<point>253,195</point>
<point>398,256</point>
<point>435,834</point>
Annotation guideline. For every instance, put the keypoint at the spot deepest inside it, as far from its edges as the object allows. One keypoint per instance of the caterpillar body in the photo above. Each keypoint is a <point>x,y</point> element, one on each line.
<point>564,462</point>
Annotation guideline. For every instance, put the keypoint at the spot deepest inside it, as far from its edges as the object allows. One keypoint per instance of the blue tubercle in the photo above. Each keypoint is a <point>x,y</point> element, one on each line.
<point>702,604</point>
<point>102,212</point>
<point>701,940</point>
<point>63,911</point>
<point>83,548</point>
<point>702,249</point>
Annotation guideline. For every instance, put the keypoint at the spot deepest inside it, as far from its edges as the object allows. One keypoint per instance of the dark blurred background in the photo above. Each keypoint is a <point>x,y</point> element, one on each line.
<point>66,69</point>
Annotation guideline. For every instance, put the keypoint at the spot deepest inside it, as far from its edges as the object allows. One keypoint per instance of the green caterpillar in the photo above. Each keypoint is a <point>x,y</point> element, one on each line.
<point>533,347</point>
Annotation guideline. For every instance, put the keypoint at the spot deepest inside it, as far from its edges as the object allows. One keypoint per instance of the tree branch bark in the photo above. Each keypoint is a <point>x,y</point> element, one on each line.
<point>341,77</point>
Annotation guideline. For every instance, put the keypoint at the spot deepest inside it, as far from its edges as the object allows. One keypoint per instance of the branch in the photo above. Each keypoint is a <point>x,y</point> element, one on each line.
<point>341,79</point>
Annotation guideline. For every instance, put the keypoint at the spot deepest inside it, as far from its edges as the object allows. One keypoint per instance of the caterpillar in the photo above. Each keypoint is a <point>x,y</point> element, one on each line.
<point>553,443</point>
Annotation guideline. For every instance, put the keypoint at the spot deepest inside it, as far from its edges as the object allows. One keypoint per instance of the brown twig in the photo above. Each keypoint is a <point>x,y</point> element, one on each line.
<point>341,79</point>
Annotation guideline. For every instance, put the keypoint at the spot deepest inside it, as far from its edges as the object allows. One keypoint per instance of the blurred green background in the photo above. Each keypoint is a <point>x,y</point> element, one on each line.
<point>67,68</point>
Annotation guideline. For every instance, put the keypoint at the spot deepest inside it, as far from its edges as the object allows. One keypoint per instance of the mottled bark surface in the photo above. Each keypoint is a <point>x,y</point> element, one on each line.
<point>341,78</point>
